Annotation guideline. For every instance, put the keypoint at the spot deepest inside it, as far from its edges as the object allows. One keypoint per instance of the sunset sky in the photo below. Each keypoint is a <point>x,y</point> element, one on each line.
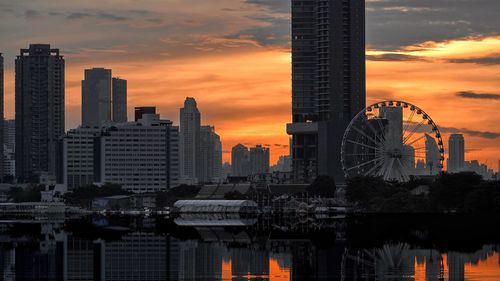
<point>233,56</point>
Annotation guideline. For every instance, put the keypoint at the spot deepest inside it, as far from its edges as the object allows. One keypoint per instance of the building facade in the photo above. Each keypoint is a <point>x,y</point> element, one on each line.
<point>119,100</point>
<point>190,140</point>
<point>240,161</point>
<point>78,157</point>
<point>259,160</point>
<point>96,97</point>
<point>328,82</point>
<point>39,111</point>
<point>139,156</point>
<point>210,163</point>
<point>9,141</point>
<point>456,153</point>
<point>2,155</point>
<point>139,111</point>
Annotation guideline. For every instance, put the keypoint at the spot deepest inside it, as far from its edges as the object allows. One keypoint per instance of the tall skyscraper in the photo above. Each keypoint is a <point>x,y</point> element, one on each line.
<point>96,97</point>
<point>119,100</point>
<point>39,110</point>
<point>1,121</point>
<point>9,140</point>
<point>240,161</point>
<point>432,156</point>
<point>456,153</point>
<point>190,139</point>
<point>210,163</point>
<point>259,160</point>
<point>328,82</point>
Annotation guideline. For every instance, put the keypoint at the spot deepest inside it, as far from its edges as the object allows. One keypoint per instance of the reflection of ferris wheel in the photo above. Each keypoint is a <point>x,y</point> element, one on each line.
<point>393,140</point>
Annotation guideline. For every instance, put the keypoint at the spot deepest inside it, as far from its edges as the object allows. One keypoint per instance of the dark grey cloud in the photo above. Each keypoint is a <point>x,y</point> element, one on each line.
<point>473,95</point>
<point>394,57</point>
<point>488,60</point>
<point>393,24</point>
<point>98,15</point>
<point>275,33</point>
<point>111,16</point>
<point>474,133</point>
<point>414,126</point>
<point>278,6</point>
<point>31,14</point>
<point>78,15</point>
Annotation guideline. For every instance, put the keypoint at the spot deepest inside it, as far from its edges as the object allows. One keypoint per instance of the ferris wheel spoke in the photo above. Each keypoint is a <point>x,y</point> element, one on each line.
<point>362,154</point>
<point>375,133</point>
<point>364,163</point>
<point>408,122</point>
<point>404,175</point>
<point>387,172</point>
<point>419,138</point>
<point>415,129</point>
<point>365,145</point>
<point>365,135</point>
<point>378,165</point>
<point>380,124</point>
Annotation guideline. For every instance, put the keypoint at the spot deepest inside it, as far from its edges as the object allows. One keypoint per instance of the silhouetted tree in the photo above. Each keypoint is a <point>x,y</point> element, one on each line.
<point>323,186</point>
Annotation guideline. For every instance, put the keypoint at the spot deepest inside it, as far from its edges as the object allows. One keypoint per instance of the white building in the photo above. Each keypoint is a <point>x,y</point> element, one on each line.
<point>140,156</point>
<point>78,157</point>
<point>190,140</point>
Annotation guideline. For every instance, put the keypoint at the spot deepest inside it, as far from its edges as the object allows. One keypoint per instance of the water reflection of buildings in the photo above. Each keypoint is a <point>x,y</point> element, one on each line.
<point>219,253</point>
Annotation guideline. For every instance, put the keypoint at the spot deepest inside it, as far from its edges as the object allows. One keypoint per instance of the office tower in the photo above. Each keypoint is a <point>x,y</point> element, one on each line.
<point>240,161</point>
<point>210,163</point>
<point>328,82</point>
<point>78,157</point>
<point>96,97</point>
<point>140,156</point>
<point>409,160</point>
<point>9,140</point>
<point>139,111</point>
<point>259,160</point>
<point>1,120</point>
<point>9,134</point>
<point>119,100</point>
<point>190,140</point>
<point>432,156</point>
<point>39,111</point>
<point>456,153</point>
<point>217,168</point>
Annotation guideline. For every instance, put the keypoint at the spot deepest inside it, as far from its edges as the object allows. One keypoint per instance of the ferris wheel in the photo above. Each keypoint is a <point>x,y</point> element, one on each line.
<point>394,140</point>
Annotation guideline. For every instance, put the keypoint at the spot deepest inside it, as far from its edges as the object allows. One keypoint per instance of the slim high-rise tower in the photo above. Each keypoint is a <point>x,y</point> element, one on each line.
<point>240,161</point>
<point>1,120</point>
<point>328,82</point>
<point>39,110</point>
<point>96,97</point>
<point>190,139</point>
<point>456,153</point>
<point>119,100</point>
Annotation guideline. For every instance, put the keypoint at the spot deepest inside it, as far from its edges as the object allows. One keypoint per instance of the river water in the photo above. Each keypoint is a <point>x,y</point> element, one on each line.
<point>233,248</point>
